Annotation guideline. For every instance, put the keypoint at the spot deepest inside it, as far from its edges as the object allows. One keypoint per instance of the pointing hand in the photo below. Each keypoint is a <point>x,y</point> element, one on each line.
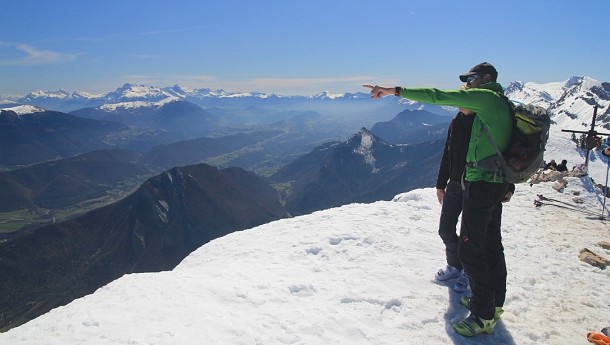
<point>378,91</point>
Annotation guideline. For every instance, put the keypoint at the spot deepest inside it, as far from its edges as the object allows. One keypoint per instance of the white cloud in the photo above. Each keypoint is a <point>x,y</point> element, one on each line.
<point>25,54</point>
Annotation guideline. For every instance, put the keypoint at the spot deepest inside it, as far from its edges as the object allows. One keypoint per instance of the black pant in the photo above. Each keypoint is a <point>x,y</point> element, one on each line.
<point>450,212</point>
<point>480,245</point>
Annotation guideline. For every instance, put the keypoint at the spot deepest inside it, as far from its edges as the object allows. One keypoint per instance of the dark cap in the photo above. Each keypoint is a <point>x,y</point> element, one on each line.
<point>482,68</point>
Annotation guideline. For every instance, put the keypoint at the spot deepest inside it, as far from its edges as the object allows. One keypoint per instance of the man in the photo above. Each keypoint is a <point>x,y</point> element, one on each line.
<point>449,194</point>
<point>480,246</point>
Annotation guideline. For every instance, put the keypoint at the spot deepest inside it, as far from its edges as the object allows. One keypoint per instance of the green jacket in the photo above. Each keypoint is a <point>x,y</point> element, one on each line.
<point>490,108</point>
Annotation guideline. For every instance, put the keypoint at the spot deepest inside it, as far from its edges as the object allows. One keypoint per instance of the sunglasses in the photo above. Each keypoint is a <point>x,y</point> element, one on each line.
<point>471,78</point>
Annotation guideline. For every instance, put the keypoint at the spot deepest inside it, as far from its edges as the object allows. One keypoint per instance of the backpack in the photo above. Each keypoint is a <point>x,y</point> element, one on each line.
<point>525,152</point>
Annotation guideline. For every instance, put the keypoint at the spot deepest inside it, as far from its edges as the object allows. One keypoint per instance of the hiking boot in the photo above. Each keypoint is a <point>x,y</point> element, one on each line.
<point>473,325</point>
<point>448,273</point>
<point>462,283</point>
<point>465,301</point>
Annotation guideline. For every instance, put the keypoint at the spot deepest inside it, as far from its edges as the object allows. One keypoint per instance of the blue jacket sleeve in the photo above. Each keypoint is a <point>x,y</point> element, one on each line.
<point>605,145</point>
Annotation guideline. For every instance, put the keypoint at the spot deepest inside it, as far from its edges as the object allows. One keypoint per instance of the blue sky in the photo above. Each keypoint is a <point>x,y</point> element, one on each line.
<point>295,47</point>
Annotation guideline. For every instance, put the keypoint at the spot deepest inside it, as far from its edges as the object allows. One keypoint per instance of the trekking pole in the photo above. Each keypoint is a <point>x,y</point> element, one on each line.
<point>605,189</point>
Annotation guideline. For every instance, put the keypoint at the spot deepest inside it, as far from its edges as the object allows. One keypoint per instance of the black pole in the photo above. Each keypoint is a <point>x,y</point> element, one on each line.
<point>591,133</point>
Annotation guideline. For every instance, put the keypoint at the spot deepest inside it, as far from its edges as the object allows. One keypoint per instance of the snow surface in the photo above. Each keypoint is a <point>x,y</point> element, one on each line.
<point>357,274</point>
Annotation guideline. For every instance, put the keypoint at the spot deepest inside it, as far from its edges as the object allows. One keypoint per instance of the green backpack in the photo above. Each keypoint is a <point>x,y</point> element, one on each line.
<point>525,152</point>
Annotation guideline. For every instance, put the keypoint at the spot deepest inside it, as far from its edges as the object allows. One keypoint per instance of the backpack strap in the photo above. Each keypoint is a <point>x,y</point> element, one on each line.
<point>502,161</point>
<point>496,163</point>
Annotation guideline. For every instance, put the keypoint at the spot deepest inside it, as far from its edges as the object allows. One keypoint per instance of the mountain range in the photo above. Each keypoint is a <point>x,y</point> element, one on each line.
<point>274,139</point>
<point>134,96</point>
<point>66,182</point>
<point>90,179</point>
<point>38,135</point>
<point>558,97</point>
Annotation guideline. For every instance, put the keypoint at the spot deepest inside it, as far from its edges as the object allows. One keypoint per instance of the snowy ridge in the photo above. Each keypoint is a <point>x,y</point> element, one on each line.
<point>140,92</point>
<point>327,95</point>
<point>61,94</point>
<point>24,109</point>
<point>138,104</point>
<point>549,94</point>
<point>541,95</point>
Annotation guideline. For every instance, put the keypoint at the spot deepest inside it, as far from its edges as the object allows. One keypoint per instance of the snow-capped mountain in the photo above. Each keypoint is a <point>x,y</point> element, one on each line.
<point>134,93</point>
<point>548,95</point>
<point>540,94</point>
<point>24,109</point>
<point>571,102</point>
<point>59,95</point>
<point>346,95</point>
<point>134,96</point>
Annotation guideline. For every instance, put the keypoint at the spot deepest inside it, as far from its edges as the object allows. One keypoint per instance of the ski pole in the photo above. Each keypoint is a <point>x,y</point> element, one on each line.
<point>539,203</point>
